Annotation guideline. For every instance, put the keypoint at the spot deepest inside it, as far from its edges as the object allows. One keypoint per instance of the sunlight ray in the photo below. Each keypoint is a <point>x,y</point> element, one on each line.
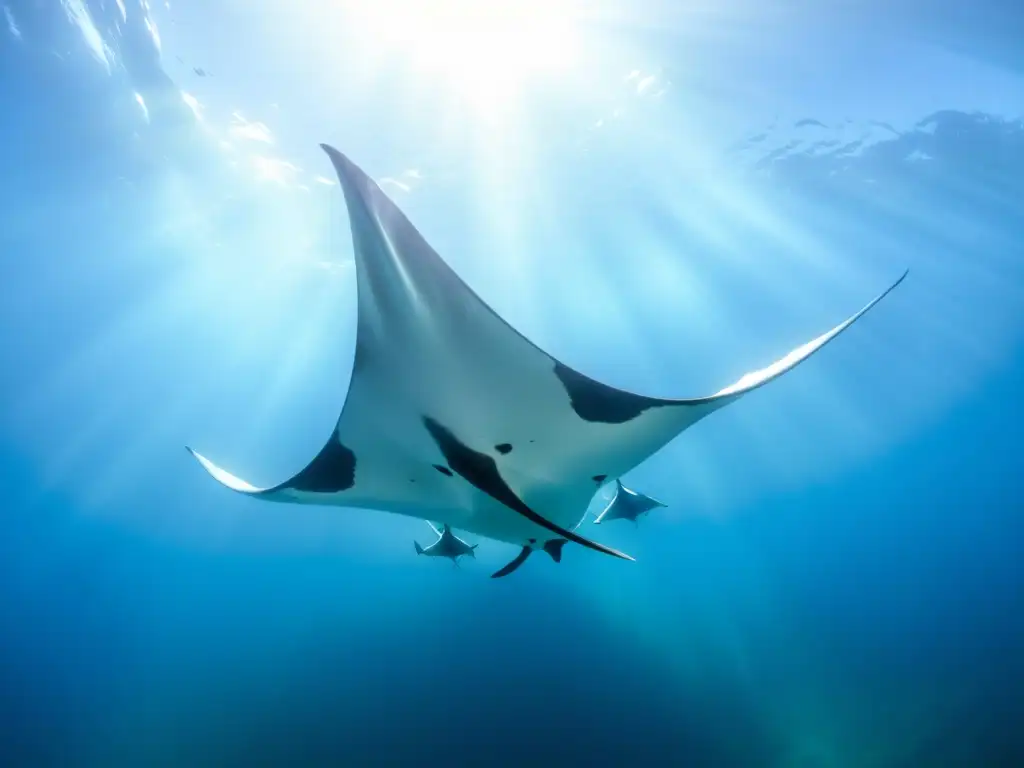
<point>475,48</point>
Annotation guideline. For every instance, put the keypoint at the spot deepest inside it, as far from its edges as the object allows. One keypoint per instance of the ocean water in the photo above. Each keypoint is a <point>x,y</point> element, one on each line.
<point>664,197</point>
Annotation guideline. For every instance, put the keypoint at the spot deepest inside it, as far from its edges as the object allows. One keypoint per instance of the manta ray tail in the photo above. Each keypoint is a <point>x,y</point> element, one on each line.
<point>519,560</point>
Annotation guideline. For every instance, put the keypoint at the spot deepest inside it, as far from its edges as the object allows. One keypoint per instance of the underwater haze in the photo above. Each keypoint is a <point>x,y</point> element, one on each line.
<point>664,196</point>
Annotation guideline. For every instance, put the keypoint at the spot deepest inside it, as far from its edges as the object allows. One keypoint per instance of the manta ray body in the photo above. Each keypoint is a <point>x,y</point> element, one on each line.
<point>627,504</point>
<point>447,545</point>
<point>452,415</point>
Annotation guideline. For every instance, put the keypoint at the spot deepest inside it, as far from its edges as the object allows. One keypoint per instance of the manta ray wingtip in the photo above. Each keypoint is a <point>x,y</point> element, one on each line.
<point>350,175</point>
<point>886,292</point>
<point>222,476</point>
<point>342,165</point>
<point>338,158</point>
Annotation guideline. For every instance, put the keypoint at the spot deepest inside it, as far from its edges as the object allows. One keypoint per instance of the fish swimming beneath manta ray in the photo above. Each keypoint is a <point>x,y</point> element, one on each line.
<point>452,415</point>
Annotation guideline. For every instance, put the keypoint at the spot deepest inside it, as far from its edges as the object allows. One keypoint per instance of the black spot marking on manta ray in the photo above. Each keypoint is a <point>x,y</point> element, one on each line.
<point>600,478</point>
<point>597,402</point>
<point>333,470</point>
<point>503,448</point>
<point>533,541</point>
<point>481,471</point>
<point>443,470</point>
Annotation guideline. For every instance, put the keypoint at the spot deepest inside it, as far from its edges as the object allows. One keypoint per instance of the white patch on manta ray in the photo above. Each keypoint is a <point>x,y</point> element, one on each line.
<point>453,416</point>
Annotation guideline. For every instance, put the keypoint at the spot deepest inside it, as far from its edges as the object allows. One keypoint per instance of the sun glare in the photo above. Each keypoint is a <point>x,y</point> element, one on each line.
<point>484,48</point>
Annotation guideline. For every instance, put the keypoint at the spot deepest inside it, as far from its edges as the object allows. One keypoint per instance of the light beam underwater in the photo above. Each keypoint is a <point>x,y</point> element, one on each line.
<point>452,415</point>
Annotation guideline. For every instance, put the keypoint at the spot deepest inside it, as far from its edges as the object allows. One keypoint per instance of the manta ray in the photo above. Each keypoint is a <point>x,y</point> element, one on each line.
<point>452,415</point>
<point>627,504</point>
<point>447,545</point>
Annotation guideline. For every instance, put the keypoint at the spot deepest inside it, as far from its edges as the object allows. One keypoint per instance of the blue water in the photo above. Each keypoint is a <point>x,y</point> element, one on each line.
<point>836,580</point>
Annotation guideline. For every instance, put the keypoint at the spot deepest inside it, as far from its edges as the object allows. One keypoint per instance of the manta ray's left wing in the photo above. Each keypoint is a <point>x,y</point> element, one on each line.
<point>453,415</point>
